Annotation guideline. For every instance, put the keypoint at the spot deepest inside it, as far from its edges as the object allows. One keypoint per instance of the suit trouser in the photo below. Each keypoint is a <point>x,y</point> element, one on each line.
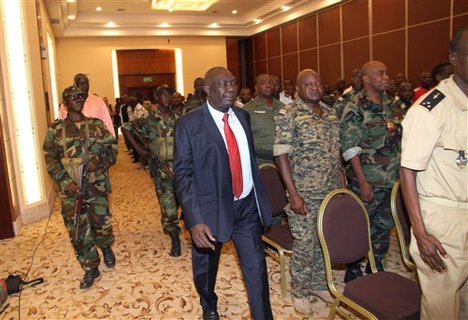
<point>445,295</point>
<point>246,236</point>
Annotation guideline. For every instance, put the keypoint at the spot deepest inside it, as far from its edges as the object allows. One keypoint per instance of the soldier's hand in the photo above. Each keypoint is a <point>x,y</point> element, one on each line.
<point>202,236</point>
<point>298,204</point>
<point>367,193</point>
<point>72,187</point>
<point>431,250</point>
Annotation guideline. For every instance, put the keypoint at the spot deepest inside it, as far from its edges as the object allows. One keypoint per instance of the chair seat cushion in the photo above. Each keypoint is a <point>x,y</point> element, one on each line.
<point>387,295</point>
<point>281,235</point>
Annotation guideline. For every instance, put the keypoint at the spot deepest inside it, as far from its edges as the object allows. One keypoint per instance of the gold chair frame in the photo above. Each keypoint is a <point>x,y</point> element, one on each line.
<point>401,238</point>
<point>336,306</point>
<point>281,253</point>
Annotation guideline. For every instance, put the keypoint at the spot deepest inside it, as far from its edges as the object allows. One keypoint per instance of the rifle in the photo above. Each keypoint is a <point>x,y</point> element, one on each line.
<point>154,153</point>
<point>82,181</point>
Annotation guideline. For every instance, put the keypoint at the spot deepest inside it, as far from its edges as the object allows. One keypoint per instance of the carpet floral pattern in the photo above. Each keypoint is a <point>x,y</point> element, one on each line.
<point>146,283</point>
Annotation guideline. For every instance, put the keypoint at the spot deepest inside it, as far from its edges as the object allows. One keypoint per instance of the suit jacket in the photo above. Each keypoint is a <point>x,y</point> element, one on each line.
<point>202,176</point>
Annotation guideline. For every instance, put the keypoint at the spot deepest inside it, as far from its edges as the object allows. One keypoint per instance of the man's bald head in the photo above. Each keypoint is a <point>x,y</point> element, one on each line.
<point>309,86</point>
<point>374,76</point>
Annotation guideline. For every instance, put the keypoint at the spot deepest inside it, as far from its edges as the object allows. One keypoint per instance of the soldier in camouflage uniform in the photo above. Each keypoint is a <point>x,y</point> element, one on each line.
<point>369,141</point>
<point>307,151</point>
<point>199,95</point>
<point>158,130</point>
<point>356,86</point>
<point>65,149</point>
<point>262,110</point>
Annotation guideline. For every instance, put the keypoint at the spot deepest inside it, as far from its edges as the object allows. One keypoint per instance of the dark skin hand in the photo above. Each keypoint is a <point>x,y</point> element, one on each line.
<point>202,236</point>
<point>430,249</point>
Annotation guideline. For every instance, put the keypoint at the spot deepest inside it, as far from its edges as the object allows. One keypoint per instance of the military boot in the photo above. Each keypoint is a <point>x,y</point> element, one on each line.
<point>175,247</point>
<point>378,265</point>
<point>353,272</point>
<point>109,257</point>
<point>89,277</point>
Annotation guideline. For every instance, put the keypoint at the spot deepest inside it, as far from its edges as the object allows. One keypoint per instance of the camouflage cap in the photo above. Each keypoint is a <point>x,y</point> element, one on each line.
<point>71,91</point>
<point>164,87</point>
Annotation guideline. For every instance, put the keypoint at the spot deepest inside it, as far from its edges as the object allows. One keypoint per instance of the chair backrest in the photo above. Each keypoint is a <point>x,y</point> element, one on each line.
<point>400,214</point>
<point>274,187</point>
<point>343,227</point>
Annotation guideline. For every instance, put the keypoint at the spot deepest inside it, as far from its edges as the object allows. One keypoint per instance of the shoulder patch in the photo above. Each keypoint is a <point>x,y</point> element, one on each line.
<point>432,99</point>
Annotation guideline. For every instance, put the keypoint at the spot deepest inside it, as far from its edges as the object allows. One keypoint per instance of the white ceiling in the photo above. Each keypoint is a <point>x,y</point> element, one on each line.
<point>136,18</point>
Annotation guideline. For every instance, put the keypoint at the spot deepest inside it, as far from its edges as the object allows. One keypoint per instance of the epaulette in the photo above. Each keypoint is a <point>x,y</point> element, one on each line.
<point>432,99</point>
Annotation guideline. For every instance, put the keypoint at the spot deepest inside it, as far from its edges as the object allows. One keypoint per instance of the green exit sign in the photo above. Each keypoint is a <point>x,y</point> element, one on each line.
<point>147,79</point>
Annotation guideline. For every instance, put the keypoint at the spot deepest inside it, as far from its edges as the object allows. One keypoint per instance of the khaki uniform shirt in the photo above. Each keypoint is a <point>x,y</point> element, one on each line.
<point>434,131</point>
<point>263,126</point>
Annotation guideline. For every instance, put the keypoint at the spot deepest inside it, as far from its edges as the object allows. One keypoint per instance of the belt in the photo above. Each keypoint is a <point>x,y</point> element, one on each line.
<point>446,202</point>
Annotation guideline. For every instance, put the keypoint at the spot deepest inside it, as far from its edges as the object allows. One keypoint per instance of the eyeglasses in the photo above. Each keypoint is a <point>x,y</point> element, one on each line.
<point>76,97</point>
<point>225,84</point>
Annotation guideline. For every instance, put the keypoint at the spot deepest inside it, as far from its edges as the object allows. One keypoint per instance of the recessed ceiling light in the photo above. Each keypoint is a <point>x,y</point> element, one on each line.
<point>70,1</point>
<point>285,8</point>
<point>170,9</point>
<point>257,21</point>
<point>234,11</point>
<point>214,25</point>
<point>98,9</point>
<point>110,24</point>
<point>71,17</point>
<point>164,25</point>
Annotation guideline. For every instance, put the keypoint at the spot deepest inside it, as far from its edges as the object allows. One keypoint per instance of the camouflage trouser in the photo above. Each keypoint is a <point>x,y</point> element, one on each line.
<point>306,265</point>
<point>95,228</point>
<point>380,218</point>
<point>167,199</point>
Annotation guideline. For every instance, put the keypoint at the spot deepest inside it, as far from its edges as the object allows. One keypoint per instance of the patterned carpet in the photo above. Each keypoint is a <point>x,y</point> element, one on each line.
<point>146,283</point>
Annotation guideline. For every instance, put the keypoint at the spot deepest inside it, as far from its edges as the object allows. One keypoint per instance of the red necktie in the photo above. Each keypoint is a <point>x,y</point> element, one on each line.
<point>234,158</point>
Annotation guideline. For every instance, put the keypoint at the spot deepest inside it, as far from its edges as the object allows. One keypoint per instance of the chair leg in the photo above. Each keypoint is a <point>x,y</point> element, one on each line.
<point>283,274</point>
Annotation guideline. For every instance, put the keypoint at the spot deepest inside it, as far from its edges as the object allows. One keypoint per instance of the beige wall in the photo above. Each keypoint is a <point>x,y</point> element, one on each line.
<point>93,56</point>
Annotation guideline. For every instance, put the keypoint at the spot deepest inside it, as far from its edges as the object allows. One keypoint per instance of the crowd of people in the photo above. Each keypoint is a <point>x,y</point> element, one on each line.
<point>203,155</point>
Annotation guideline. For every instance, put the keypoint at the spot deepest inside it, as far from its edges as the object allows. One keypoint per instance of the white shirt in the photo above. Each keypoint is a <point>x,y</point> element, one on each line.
<point>242,143</point>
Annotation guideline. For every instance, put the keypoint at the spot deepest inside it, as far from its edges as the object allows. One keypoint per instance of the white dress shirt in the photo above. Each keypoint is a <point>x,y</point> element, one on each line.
<point>242,143</point>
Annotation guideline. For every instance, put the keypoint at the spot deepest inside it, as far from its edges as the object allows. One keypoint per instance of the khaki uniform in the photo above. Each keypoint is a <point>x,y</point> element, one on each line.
<point>313,148</point>
<point>263,127</point>
<point>434,133</point>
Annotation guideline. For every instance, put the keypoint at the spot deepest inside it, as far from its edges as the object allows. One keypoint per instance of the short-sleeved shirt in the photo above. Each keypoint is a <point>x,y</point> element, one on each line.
<point>263,126</point>
<point>435,130</point>
<point>312,144</point>
<point>367,130</point>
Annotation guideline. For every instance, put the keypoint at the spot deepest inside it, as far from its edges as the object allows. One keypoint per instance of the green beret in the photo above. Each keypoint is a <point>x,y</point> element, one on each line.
<point>71,91</point>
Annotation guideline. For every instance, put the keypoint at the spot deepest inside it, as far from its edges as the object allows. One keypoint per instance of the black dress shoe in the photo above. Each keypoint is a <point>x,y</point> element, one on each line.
<point>89,277</point>
<point>210,315</point>
<point>109,257</point>
<point>175,246</point>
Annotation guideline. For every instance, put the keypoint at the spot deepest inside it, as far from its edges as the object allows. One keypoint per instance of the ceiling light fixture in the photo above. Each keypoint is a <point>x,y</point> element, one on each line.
<point>98,9</point>
<point>71,1</point>
<point>170,10</point>
<point>164,25</point>
<point>214,25</point>
<point>257,21</point>
<point>234,11</point>
<point>71,17</point>
<point>185,5</point>
<point>110,24</point>
<point>285,8</point>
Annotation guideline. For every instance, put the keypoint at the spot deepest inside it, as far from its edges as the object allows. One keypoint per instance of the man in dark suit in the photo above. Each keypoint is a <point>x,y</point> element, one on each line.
<point>222,198</point>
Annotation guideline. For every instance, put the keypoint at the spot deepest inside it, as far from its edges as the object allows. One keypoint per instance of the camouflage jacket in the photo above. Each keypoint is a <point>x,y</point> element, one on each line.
<point>313,147</point>
<point>341,102</point>
<point>263,126</point>
<point>157,131</point>
<point>369,131</point>
<point>65,140</point>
